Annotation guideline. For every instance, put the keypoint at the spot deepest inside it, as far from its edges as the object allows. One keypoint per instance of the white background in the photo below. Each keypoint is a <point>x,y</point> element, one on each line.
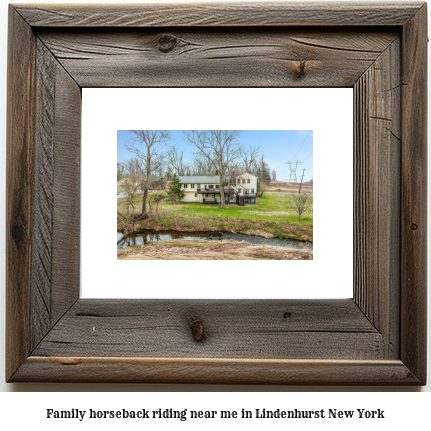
<point>406,410</point>
<point>328,112</point>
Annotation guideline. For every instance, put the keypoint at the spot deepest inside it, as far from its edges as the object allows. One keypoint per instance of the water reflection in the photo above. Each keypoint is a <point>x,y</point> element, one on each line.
<point>143,238</point>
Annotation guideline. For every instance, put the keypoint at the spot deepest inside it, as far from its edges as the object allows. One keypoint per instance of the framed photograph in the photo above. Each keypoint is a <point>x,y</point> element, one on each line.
<point>243,214</point>
<point>262,234</point>
<point>375,337</point>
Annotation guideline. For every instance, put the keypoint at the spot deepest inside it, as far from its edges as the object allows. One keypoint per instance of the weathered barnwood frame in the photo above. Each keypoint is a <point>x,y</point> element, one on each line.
<point>378,337</point>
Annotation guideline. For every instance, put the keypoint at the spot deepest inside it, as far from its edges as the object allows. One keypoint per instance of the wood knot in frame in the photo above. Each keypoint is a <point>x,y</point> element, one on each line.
<point>302,68</point>
<point>299,68</point>
<point>167,42</point>
<point>18,233</point>
<point>197,328</point>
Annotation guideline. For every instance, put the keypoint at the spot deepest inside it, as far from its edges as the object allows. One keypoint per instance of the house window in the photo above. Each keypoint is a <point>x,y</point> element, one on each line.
<point>239,181</point>
<point>199,186</point>
<point>185,186</point>
<point>213,195</point>
<point>206,195</point>
<point>211,187</point>
<point>196,195</point>
<point>192,186</point>
<point>248,181</point>
<point>217,186</point>
<point>243,181</point>
<point>252,190</point>
<point>239,190</point>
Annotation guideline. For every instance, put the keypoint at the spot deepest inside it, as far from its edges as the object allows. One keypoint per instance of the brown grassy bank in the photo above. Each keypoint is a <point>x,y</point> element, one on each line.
<point>286,187</point>
<point>179,249</point>
<point>268,229</point>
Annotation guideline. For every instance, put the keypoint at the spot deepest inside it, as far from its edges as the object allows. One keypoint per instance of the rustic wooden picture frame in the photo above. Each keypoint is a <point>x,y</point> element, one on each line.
<point>378,337</point>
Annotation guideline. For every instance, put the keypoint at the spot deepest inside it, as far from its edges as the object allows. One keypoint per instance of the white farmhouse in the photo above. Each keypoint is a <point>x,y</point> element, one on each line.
<point>246,184</point>
<point>206,189</point>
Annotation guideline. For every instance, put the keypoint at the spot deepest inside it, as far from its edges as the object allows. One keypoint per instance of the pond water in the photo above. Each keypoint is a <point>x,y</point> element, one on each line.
<point>142,238</point>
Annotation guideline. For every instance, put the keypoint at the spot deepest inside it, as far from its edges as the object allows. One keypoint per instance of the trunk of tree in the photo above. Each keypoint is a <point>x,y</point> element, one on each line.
<point>146,183</point>
<point>144,202</point>
<point>222,200</point>
<point>147,145</point>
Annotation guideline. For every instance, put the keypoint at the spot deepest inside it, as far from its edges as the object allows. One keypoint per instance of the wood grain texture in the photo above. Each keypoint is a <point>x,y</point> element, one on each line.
<point>67,186</point>
<point>234,329</point>
<point>19,200</point>
<point>216,371</point>
<point>43,194</point>
<point>55,277</point>
<point>220,15</point>
<point>377,173</point>
<point>414,195</point>
<point>215,57</point>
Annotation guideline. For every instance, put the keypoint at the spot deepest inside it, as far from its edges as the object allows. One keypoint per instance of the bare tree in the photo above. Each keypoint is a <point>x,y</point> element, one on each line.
<point>201,165</point>
<point>153,203</point>
<point>188,169</point>
<point>175,160</point>
<point>120,171</point>
<point>248,157</point>
<point>234,170</point>
<point>274,175</point>
<point>302,202</point>
<point>148,146</point>
<point>131,184</point>
<point>132,177</point>
<point>220,147</point>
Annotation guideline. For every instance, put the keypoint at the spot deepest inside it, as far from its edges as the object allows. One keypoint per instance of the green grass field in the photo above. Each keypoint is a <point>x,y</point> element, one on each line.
<point>270,207</point>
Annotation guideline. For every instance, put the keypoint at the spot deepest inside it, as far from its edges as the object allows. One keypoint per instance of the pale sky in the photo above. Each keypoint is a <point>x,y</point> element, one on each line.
<point>278,147</point>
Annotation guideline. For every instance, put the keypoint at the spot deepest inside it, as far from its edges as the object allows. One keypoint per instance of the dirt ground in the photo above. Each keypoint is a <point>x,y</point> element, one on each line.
<point>179,249</point>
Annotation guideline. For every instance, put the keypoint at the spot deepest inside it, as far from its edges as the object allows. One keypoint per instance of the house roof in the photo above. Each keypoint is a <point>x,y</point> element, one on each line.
<point>215,179</point>
<point>199,179</point>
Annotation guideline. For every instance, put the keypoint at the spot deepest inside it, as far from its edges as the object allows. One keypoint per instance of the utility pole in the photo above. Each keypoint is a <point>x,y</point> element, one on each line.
<point>302,178</point>
<point>293,166</point>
